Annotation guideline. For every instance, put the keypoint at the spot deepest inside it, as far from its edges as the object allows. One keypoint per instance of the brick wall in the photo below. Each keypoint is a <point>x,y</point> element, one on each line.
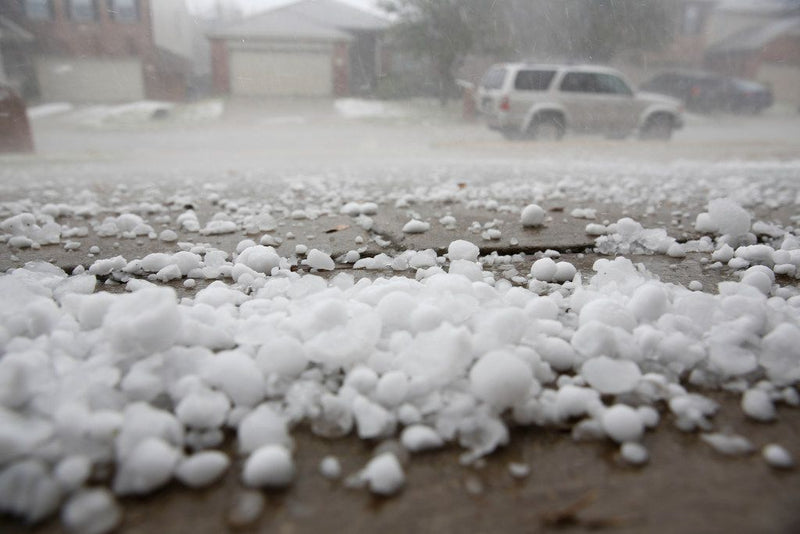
<point>220,67</point>
<point>101,37</point>
<point>784,50</point>
<point>341,69</point>
<point>741,65</point>
<point>165,75</point>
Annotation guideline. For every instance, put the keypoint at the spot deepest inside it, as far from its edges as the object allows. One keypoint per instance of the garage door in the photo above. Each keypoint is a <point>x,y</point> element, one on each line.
<point>280,73</point>
<point>89,80</point>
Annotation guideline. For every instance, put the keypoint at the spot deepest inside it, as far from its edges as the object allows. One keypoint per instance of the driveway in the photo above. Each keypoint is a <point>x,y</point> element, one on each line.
<point>301,161</point>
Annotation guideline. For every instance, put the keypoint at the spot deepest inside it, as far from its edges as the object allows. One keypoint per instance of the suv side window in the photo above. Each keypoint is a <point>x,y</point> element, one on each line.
<point>494,78</point>
<point>579,82</point>
<point>533,80</point>
<point>610,84</point>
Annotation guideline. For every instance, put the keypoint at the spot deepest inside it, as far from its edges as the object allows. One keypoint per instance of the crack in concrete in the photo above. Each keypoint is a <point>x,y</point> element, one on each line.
<point>503,250</point>
<point>510,250</point>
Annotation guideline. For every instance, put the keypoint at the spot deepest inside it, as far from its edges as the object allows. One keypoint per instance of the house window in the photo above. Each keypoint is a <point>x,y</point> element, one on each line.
<point>124,10</point>
<point>39,9</point>
<point>692,20</point>
<point>82,10</point>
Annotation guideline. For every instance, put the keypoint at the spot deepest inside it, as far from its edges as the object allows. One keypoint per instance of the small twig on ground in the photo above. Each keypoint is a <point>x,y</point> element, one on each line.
<point>569,516</point>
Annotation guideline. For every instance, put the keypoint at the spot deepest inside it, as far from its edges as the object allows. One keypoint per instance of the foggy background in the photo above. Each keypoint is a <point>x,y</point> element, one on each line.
<point>378,78</point>
<point>247,7</point>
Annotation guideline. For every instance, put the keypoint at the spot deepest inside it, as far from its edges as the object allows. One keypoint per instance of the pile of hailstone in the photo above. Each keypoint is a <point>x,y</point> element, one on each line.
<point>107,395</point>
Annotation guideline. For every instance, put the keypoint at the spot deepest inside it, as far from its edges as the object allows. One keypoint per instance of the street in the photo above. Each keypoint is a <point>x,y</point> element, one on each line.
<point>252,134</point>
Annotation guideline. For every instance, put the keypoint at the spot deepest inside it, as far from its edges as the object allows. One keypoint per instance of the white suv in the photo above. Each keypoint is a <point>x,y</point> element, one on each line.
<point>543,101</point>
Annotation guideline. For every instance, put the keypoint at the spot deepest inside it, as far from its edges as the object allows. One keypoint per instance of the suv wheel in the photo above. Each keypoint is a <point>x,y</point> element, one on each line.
<point>657,127</point>
<point>546,128</point>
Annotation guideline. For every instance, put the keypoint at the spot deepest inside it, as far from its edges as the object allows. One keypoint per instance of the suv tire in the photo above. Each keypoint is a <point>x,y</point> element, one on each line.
<point>657,128</point>
<point>548,127</point>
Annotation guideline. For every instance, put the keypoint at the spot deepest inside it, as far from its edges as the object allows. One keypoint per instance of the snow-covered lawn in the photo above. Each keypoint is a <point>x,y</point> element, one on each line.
<point>127,114</point>
<point>353,108</point>
<point>46,110</point>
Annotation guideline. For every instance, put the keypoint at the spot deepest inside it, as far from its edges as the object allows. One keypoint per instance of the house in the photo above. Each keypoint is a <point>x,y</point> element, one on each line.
<point>760,41</point>
<point>686,48</point>
<point>690,37</point>
<point>307,48</point>
<point>754,39</point>
<point>104,50</point>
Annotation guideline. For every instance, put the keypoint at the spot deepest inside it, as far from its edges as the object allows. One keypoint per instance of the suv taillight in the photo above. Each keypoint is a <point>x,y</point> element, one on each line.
<point>505,104</point>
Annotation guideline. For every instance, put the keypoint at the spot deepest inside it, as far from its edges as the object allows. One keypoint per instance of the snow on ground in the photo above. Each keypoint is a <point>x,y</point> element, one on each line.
<point>131,113</point>
<point>152,385</point>
<point>284,120</point>
<point>203,110</point>
<point>353,108</point>
<point>46,110</point>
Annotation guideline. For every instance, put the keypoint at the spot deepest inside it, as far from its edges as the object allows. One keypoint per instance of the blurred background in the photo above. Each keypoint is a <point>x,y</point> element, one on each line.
<point>297,63</point>
<point>122,50</point>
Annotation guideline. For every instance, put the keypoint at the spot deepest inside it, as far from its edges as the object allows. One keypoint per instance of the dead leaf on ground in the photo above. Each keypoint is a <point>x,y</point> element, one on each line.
<point>568,516</point>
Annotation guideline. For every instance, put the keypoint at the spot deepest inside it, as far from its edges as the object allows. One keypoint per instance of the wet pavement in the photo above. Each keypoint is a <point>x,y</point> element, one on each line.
<point>572,487</point>
<point>272,160</point>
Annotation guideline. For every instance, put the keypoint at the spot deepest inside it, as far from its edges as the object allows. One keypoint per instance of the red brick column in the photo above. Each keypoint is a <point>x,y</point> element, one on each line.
<point>15,130</point>
<point>220,67</point>
<point>341,70</point>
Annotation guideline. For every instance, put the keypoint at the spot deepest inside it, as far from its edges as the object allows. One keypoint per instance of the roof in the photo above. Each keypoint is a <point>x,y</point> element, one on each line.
<point>319,20</point>
<point>758,7</point>
<point>338,15</point>
<point>279,24</point>
<point>756,37</point>
<point>12,32</point>
<point>574,67</point>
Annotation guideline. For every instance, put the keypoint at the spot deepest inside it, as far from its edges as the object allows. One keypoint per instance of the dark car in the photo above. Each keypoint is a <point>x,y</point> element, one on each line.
<point>745,96</point>
<point>706,92</point>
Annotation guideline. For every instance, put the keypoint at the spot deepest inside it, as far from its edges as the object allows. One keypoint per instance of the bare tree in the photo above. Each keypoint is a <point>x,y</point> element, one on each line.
<point>587,30</point>
<point>444,32</point>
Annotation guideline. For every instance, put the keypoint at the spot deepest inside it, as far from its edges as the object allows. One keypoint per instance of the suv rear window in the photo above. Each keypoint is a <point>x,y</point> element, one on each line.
<point>533,80</point>
<point>494,78</point>
<point>609,84</point>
